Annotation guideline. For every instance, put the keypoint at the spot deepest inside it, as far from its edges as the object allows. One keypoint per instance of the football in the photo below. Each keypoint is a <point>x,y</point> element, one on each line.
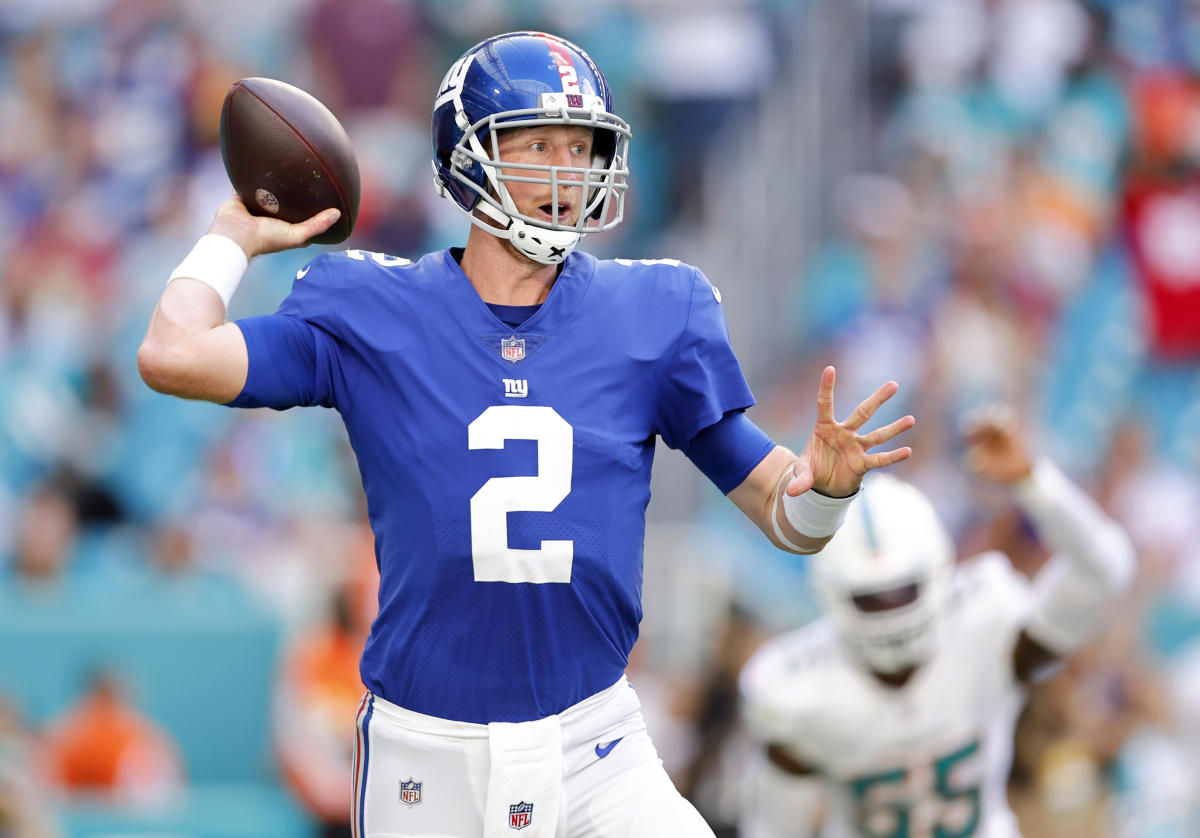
<point>288,156</point>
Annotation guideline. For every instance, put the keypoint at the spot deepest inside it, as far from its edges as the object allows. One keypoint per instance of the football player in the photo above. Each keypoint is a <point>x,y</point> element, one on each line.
<point>894,713</point>
<point>503,401</point>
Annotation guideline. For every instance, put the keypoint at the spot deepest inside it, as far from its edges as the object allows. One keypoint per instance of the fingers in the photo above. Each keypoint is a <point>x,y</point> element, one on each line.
<point>867,408</point>
<point>992,418</point>
<point>995,448</point>
<point>825,396</point>
<point>279,235</point>
<point>803,481</point>
<point>840,448</point>
<point>976,461</point>
<point>888,458</point>
<point>319,223</point>
<point>259,234</point>
<point>882,435</point>
<point>233,205</point>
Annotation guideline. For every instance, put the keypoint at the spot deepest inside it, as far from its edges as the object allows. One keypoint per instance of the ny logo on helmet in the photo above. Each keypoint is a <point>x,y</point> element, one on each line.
<point>453,81</point>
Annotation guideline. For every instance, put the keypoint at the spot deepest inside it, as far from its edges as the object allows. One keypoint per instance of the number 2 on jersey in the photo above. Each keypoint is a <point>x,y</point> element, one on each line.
<point>493,559</point>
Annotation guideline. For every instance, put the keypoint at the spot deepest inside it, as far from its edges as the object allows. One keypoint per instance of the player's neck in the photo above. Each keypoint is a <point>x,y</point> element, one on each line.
<point>503,276</point>
<point>895,680</point>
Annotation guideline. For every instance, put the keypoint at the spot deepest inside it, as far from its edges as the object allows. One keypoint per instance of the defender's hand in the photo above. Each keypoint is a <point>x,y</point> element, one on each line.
<point>835,457</point>
<point>995,448</point>
<point>259,234</point>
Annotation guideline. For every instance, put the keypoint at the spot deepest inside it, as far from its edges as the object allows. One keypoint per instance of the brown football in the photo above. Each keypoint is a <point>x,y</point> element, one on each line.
<point>288,156</point>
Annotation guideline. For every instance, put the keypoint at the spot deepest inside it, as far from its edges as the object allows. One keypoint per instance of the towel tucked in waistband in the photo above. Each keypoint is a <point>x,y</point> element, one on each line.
<point>525,779</point>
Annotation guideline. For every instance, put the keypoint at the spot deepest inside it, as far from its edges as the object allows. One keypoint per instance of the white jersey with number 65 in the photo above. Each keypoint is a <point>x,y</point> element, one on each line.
<point>930,758</point>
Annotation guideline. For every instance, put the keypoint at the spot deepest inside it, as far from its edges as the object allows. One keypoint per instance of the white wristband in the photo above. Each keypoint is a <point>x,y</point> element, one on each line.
<point>218,262</point>
<point>814,514</point>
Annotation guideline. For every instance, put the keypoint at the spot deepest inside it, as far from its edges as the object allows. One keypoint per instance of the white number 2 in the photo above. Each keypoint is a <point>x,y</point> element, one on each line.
<point>493,559</point>
<point>378,258</point>
<point>570,81</point>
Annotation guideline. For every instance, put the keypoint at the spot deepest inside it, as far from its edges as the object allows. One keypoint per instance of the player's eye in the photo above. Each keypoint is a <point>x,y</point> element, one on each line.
<point>538,146</point>
<point>579,149</point>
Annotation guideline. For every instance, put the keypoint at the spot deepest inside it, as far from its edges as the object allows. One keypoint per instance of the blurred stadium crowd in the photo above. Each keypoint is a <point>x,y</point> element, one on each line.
<point>184,589</point>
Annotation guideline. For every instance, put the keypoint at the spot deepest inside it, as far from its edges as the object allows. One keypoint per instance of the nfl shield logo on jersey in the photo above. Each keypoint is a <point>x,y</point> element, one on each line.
<point>512,349</point>
<point>410,792</point>
<point>520,815</point>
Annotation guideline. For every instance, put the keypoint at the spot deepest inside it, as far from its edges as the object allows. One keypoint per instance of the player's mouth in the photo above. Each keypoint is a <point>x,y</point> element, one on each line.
<point>564,212</point>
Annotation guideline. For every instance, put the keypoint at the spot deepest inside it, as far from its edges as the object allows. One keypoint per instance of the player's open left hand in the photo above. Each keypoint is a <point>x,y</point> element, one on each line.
<point>835,457</point>
<point>258,234</point>
<point>995,447</point>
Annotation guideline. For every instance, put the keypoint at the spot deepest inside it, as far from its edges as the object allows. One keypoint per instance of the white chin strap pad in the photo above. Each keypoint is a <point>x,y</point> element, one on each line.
<point>549,247</point>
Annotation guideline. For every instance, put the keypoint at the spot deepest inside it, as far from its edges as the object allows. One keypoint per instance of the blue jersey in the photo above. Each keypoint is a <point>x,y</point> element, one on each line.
<point>507,470</point>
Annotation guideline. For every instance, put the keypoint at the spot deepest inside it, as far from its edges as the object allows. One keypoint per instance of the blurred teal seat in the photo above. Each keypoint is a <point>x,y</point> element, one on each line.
<point>197,654</point>
<point>208,811</point>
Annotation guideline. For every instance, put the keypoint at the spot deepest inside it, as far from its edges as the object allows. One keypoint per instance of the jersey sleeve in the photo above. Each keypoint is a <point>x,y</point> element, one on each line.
<point>774,687</point>
<point>727,451</point>
<point>296,356</point>
<point>995,600</point>
<point>704,380</point>
<point>995,595</point>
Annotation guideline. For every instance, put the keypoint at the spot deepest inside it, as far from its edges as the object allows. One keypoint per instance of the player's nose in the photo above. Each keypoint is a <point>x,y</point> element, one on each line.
<point>565,157</point>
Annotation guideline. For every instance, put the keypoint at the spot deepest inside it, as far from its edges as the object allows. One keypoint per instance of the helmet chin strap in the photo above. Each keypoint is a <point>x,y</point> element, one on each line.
<point>547,247</point>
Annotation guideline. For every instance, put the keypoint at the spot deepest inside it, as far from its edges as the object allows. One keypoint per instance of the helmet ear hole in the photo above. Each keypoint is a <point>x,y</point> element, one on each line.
<point>604,148</point>
<point>604,145</point>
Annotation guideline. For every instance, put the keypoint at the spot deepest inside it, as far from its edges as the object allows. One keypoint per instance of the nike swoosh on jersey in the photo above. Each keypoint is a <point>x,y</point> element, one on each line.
<point>604,750</point>
<point>300,273</point>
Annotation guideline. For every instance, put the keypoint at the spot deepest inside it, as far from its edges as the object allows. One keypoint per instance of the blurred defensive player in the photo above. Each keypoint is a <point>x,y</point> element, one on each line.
<point>895,712</point>
<point>503,401</point>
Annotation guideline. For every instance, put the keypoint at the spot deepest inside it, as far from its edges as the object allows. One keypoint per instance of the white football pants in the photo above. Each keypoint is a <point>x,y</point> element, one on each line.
<point>589,772</point>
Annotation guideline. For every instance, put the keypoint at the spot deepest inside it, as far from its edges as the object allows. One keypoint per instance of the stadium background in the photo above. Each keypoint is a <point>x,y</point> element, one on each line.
<point>983,199</point>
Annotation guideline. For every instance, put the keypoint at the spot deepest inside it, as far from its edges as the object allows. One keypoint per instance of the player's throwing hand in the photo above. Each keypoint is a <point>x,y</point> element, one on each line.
<point>258,234</point>
<point>835,457</point>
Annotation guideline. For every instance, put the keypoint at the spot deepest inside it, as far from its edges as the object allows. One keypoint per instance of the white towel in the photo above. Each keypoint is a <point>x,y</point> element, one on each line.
<point>525,780</point>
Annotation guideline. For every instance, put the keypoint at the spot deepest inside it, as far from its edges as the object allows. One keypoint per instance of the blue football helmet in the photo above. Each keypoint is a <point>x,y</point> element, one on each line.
<point>525,79</point>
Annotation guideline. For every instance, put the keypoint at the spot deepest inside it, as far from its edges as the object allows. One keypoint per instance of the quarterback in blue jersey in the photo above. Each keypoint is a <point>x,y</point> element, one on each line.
<point>503,401</point>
